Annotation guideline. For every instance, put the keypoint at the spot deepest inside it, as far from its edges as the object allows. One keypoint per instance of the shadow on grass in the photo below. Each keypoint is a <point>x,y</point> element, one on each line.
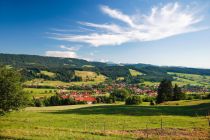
<point>193,110</point>
<point>11,138</point>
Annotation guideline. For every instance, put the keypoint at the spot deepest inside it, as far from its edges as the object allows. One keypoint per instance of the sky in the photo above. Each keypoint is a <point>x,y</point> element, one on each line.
<point>159,32</point>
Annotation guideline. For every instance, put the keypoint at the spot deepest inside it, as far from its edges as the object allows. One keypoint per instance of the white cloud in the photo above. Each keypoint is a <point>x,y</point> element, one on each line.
<point>162,22</point>
<point>65,54</point>
<point>72,48</point>
<point>117,15</point>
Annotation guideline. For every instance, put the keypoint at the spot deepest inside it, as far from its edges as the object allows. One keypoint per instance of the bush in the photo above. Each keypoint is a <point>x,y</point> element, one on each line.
<point>56,101</point>
<point>148,99</point>
<point>133,100</point>
<point>189,97</point>
<point>120,94</point>
<point>12,96</point>
<point>38,103</point>
<point>208,96</point>
<point>152,102</point>
<point>104,99</point>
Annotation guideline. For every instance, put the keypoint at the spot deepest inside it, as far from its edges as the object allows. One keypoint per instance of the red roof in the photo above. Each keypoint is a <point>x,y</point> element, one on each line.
<point>87,99</point>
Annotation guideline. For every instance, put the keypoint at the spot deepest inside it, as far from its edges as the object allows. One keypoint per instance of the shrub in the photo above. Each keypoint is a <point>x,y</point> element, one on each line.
<point>133,100</point>
<point>120,94</point>
<point>189,97</point>
<point>152,102</point>
<point>208,96</point>
<point>38,103</point>
<point>105,99</point>
<point>148,99</point>
<point>54,100</point>
<point>67,101</point>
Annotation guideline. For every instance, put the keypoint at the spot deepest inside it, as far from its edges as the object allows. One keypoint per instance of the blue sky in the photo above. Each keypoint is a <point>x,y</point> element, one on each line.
<point>160,32</point>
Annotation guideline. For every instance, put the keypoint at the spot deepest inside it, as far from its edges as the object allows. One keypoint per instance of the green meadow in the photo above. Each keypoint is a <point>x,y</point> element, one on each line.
<point>42,82</point>
<point>186,119</point>
<point>134,72</point>
<point>192,79</point>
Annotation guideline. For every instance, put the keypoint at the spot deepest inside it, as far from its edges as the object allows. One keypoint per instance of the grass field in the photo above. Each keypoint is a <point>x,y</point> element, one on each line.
<point>134,72</point>
<point>182,79</point>
<point>42,82</point>
<point>47,73</point>
<point>192,79</point>
<point>37,93</point>
<point>89,75</point>
<point>184,120</point>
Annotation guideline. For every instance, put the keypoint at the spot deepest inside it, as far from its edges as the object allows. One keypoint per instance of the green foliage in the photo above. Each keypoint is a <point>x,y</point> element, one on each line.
<point>114,72</point>
<point>148,99</point>
<point>120,94</point>
<point>208,96</point>
<point>152,102</point>
<point>55,101</point>
<point>165,91</point>
<point>178,94</point>
<point>133,100</point>
<point>12,96</point>
<point>38,102</point>
<point>193,96</point>
<point>105,99</point>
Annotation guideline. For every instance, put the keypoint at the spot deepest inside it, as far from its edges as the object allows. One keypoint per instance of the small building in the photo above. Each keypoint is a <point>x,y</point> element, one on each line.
<point>87,99</point>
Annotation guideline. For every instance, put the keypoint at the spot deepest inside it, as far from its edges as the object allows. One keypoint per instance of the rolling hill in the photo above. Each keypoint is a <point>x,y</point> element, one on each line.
<point>66,69</point>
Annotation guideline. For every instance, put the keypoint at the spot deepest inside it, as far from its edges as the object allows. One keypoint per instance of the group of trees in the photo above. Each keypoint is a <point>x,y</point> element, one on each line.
<point>120,94</point>
<point>55,101</point>
<point>166,92</point>
<point>127,96</point>
<point>105,99</point>
<point>133,100</point>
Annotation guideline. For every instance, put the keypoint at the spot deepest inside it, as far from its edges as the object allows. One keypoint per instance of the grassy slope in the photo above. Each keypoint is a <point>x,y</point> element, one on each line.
<point>89,75</point>
<point>193,79</point>
<point>42,82</point>
<point>134,72</point>
<point>93,121</point>
<point>50,74</point>
<point>37,93</point>
<point>185,79</point>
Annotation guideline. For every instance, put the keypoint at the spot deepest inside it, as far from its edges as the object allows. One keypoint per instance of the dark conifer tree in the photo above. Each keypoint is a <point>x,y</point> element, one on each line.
<point>165,91</point>
<point>178,94</point>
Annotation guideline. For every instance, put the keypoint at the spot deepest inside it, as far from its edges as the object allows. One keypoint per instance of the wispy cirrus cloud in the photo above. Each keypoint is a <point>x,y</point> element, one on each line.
<point>162,22</point>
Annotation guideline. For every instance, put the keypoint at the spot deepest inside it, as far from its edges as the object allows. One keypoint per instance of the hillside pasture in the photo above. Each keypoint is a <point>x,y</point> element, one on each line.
<point>40,92</point>
<point>192,79</point>
<point>55,84</point>
<point>47,73</point>
<point>90,76</point>
<point>135,72</point>
<point>116,121</point>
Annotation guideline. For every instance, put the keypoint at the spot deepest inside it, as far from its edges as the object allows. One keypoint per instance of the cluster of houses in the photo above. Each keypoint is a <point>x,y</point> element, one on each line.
<point>78,96</point>
<point>87,96</point>
<point>134,88</point>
